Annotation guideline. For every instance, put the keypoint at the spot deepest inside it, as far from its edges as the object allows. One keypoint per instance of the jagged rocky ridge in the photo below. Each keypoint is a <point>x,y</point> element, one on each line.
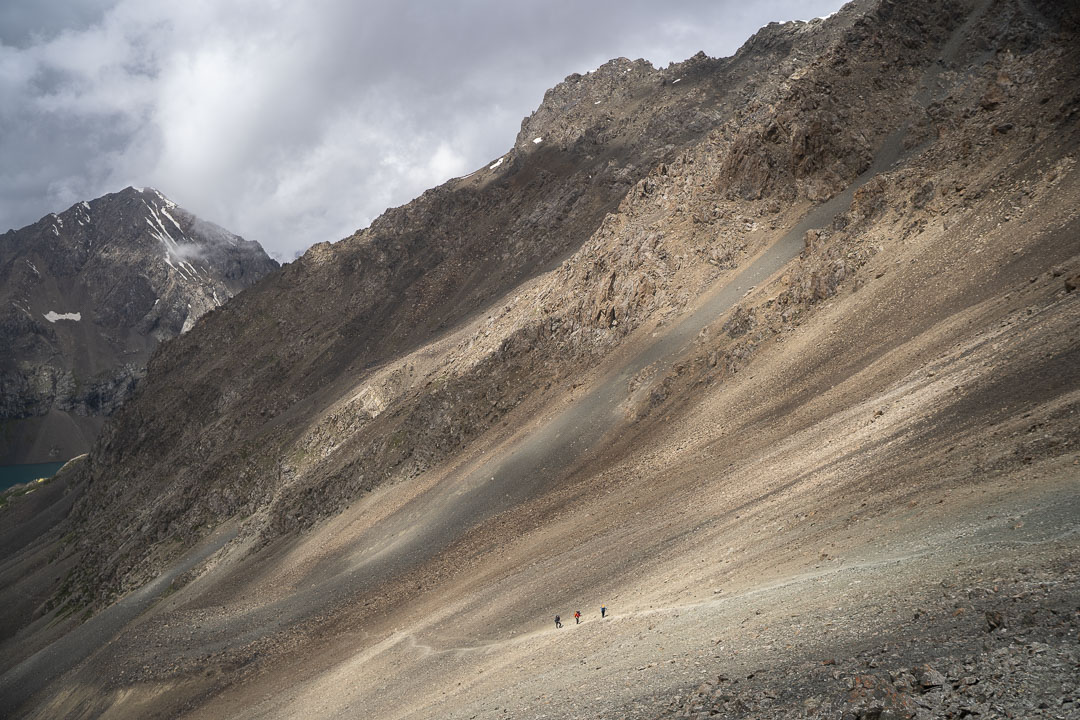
<point>88,294</point>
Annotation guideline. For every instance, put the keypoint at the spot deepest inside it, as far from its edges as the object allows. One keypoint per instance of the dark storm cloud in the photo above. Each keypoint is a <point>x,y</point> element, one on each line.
<point>23,23</point>
<point>292,123</point>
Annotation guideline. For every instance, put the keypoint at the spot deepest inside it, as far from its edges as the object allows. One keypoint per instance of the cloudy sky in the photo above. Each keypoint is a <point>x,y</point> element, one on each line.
<point>294,122</point>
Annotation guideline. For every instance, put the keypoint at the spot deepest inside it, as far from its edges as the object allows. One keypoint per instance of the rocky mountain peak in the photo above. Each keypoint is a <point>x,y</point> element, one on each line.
<point>89,293</point>
<point>619,97</point>
<point>580,99</point>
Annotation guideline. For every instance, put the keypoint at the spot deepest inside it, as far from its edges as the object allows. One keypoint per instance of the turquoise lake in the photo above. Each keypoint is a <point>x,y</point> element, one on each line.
<point>15,474</point>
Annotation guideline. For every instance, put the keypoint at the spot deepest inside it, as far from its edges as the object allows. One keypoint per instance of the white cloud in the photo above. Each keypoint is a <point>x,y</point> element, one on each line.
<point>293,123</point>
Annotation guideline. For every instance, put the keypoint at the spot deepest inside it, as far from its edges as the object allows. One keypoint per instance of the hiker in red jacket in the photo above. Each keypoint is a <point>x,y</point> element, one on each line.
<point>577,617</point>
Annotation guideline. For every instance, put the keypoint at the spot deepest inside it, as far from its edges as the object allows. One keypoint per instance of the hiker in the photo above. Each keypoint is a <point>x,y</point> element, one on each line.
<point>558,622</point>
<point>603,611</point>
<point>577,617</point>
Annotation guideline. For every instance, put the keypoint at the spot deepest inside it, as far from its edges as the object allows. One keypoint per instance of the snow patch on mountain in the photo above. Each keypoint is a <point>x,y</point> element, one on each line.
<point>173,248</point>
<point>52,316</point>
<point>172,220</point>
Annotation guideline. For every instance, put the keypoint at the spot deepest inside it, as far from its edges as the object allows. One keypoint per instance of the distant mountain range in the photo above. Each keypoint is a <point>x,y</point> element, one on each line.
<point>87,294</point>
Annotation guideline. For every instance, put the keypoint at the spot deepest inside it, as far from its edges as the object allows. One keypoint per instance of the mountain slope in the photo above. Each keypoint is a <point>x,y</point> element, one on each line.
<point>227,428</point>
<point>88,294</point>
<point>805,389</point>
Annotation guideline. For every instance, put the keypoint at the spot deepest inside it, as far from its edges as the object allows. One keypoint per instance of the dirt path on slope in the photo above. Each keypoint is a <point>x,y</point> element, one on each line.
<point>605,668</point>
<point>1056,521</point>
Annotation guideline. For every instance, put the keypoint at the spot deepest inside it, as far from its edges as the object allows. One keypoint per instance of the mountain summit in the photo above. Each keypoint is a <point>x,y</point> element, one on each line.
<point>87,294</point>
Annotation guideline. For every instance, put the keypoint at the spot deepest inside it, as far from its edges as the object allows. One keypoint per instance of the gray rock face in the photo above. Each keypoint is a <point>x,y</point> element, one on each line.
<point>87,294</point>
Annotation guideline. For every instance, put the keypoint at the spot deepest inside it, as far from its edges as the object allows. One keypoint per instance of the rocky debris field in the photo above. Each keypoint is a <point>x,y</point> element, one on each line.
<point>988,648</point>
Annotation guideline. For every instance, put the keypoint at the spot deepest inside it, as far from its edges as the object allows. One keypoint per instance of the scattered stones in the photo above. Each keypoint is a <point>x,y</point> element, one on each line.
<point>1016,675</point>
